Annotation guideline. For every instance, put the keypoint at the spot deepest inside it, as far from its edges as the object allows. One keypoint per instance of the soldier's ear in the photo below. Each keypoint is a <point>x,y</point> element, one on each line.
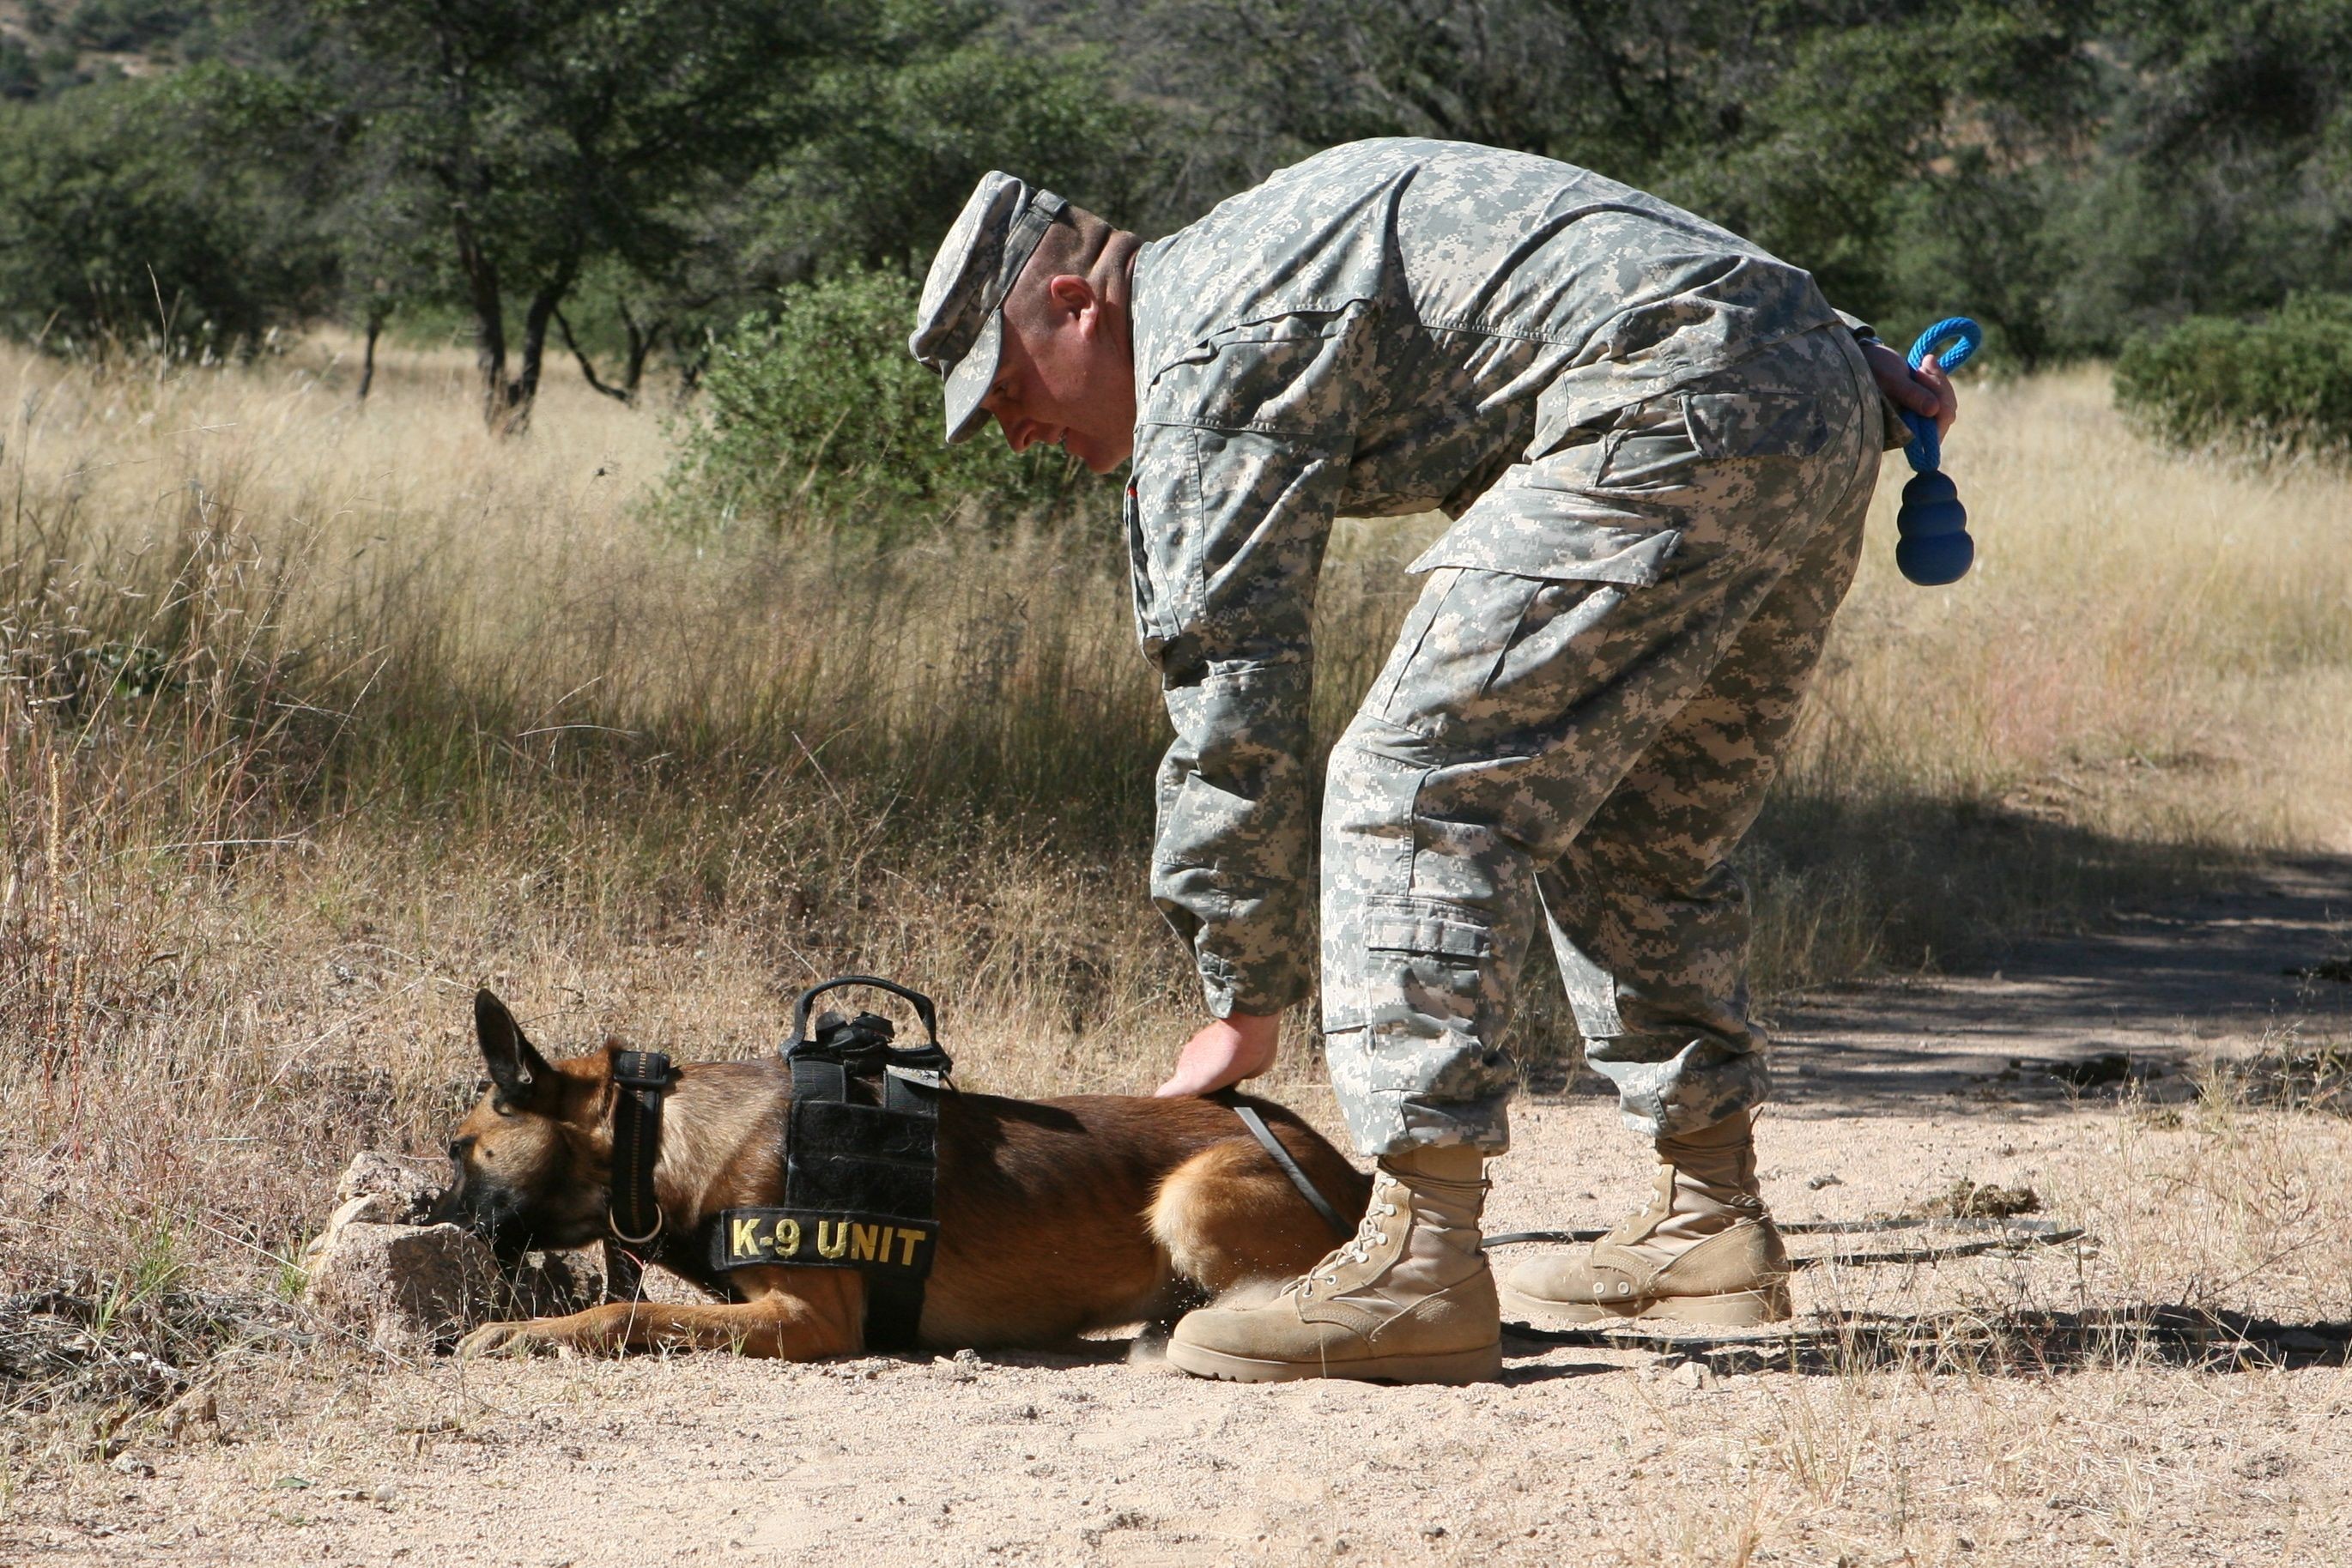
<point>516,1066</point>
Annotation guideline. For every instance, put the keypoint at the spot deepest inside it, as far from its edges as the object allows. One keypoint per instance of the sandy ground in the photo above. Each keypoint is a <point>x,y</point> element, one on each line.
<point>1629,1451</point>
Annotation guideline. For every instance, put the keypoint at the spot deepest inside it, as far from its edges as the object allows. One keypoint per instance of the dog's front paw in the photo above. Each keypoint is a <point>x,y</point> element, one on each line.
<point>520,1339</point>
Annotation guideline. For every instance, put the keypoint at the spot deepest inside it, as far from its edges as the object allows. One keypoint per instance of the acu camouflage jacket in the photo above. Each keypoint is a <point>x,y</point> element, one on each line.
<point>1379,330</point>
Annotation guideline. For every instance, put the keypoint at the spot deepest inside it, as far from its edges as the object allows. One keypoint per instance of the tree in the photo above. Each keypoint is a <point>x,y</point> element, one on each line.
<point>2222,182</point>
<point>535,139</point>
<point>815,418</point>
<point>1804,124</point>
<point>123,219</point>
<point>941,96</point>
<point>899,128</point>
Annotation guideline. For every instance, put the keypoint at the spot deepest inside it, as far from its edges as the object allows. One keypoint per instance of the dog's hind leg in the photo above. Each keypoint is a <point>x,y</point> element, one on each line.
<point>1227,1216</point>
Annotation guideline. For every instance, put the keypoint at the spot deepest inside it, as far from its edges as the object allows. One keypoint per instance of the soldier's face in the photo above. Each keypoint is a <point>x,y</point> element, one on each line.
<point>1065,377</point>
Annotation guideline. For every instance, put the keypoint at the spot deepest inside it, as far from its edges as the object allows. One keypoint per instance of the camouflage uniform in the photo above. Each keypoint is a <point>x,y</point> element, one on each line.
<point>1658,444</point>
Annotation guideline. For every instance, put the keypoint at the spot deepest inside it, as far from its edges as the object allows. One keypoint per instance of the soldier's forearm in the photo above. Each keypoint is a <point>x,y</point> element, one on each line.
<point>1231,866</point>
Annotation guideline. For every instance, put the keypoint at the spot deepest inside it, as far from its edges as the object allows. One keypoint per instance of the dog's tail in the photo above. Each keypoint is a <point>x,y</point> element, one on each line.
<point>1228,1218</point>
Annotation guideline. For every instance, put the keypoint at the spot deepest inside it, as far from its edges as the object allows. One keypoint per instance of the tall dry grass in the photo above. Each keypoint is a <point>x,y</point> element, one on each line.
<point>315,715</point>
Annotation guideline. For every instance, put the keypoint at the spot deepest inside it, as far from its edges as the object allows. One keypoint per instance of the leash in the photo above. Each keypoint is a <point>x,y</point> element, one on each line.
<point>1288,1167</point>
<point>2017,1236</point>
<point>1934,548</point>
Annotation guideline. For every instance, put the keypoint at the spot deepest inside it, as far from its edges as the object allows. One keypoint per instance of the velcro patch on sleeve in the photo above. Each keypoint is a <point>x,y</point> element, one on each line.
<point>823,1239</point>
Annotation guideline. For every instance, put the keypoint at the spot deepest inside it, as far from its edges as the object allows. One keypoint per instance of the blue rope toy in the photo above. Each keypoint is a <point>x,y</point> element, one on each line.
<point>1934,548</point>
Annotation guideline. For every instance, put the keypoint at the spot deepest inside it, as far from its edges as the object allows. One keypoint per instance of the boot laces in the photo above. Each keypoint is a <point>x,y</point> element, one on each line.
<point>1356,1248</point>
<point>1359,1247</point>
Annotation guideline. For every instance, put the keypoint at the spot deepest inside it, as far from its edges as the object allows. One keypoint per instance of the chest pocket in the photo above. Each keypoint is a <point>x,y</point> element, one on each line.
<point>1276,385</point>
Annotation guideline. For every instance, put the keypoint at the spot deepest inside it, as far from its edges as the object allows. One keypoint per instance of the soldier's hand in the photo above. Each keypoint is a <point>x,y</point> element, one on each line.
<point>1926,390</point>
<point>1225,1051</point>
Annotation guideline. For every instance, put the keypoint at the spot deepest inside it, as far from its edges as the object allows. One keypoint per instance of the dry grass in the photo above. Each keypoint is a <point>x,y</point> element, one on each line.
<point>312,717</point>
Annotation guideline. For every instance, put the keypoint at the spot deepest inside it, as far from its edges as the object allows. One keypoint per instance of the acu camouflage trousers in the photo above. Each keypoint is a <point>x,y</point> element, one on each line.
<point>1593,750</point>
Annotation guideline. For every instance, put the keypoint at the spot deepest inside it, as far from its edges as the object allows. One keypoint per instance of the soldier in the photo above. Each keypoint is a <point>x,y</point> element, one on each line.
<point>1658,444</point>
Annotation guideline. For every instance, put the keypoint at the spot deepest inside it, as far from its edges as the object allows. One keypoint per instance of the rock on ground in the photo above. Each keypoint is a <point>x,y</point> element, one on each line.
<point>404,1190</point>
<point>404,1290</point>
<point>408,1287</point>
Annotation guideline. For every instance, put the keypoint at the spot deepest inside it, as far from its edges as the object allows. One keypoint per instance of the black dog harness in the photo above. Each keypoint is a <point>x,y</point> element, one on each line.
<point>861,1162</point>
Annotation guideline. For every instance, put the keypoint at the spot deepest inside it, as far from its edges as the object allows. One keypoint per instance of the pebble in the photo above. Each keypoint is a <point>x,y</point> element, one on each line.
<point>963,1366</point>
<point>199,1407</point>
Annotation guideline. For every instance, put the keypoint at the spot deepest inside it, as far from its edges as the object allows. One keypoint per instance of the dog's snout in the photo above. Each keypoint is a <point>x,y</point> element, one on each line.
<point>450,1207</point>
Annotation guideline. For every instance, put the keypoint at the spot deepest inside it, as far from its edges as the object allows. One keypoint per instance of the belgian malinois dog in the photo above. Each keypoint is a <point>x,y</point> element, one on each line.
<point>1056,1216</point>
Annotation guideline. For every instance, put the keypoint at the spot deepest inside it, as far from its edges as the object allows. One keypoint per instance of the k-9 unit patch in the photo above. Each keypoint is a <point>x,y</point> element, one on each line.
<point>805,1237</point>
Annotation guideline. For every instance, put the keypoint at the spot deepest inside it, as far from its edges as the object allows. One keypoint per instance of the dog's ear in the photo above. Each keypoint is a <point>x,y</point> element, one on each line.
<point>516,1066</point>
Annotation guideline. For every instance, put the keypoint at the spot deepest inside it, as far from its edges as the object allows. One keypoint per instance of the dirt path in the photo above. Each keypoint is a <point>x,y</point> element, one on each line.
<point>1626,1453</point>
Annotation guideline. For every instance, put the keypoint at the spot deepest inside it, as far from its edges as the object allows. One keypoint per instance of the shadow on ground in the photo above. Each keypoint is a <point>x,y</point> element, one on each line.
<point>2143,1005</point>
<point>2015,1344</point>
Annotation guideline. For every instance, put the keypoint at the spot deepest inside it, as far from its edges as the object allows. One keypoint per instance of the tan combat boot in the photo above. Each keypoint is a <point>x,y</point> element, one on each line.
<point>1704,1251</point>
<point>1408,1299</point>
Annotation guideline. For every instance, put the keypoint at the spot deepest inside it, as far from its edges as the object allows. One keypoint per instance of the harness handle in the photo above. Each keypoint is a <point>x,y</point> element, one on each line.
<point>921,1004</point>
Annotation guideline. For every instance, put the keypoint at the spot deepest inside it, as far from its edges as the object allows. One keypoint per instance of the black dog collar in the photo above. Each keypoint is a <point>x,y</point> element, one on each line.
<point>632,1213</point>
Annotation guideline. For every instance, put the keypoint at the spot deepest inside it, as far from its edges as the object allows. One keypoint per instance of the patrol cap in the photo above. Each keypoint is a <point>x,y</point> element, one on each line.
<point>960,326</point>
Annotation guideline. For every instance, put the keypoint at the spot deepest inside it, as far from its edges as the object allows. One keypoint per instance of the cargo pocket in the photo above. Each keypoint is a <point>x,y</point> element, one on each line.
<point>1528,675</point>
<point>1596,508</point>
<point>1429,999</point>
<point>1490,658</point>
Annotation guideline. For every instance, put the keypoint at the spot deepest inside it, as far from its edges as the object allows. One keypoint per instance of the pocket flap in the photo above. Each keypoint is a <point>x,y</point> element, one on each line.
<point>1564,550</point>
<point>1755,424</point>
<point>1393,932</point>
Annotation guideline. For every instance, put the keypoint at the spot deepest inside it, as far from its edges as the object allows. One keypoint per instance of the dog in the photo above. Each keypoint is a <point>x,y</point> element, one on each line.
<point>1057,1216</point>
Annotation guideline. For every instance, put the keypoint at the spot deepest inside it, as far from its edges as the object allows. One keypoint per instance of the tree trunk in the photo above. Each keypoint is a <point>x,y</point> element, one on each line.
<point>689,370</point>
<point>524,392</point>
<point>640,344</point>
<point>367,361</point>
<point>481,275</point>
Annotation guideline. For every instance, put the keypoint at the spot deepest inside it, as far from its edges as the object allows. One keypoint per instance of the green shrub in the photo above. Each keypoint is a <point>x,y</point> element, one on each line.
<point>2276,386</point>
<point>815,417</point>
<point>122,223</point>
